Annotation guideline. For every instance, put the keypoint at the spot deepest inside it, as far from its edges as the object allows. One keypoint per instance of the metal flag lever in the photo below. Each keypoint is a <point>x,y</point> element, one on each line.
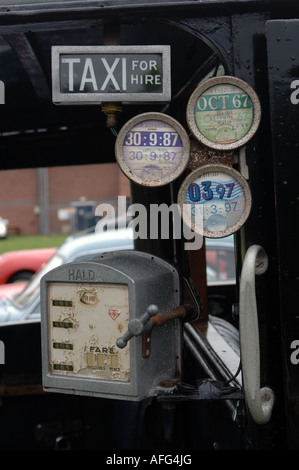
<point>137,326</point>
<point>260,400</point>
<point>151,318</point>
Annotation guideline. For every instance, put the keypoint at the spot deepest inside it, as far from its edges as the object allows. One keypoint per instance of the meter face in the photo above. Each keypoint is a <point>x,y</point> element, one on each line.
<point>223,113</point>
<point>215,200</point>
<point>84,322</point>
<point>152,149</point>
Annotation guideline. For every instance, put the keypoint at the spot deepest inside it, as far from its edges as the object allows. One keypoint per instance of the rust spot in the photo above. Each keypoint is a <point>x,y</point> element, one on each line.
<point>199,155</point>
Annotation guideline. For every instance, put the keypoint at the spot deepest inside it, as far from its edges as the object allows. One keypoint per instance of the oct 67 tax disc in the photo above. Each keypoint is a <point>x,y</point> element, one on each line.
<point>223,113</point>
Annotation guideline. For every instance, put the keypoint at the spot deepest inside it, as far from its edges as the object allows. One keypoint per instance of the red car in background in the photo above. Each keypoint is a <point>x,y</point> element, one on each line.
<point>20,265</point>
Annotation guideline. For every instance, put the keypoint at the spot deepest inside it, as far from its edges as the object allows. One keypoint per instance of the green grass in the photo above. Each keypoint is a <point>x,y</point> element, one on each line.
<point>25,242</point>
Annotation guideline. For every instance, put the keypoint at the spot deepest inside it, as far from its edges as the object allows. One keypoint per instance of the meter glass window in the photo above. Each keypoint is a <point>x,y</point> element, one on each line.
<point>223,113</point>
<point>215,200</point>
<point>152,149</point>
<point>84,320</point>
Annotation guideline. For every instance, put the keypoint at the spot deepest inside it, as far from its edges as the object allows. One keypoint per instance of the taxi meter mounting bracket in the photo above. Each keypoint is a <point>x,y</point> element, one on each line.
<point>88,306</point>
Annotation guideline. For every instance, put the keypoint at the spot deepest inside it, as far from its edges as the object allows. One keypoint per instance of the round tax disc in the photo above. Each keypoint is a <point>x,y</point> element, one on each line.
<point>152,149</point>
<point>214,200</point>
<point>223,113</point>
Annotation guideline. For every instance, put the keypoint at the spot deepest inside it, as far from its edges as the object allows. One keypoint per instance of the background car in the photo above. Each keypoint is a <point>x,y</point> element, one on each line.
<point>12,289</point>
<point>26,304</point>
<point>20,265</point>
<point>3,227</point>
<point>220,259</point>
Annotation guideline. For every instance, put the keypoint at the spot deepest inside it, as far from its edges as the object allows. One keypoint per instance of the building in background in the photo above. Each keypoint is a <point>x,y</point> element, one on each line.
<point>58,199</point>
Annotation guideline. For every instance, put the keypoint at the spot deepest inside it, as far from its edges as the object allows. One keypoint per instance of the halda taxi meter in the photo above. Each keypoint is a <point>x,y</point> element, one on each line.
<point>93,314</point>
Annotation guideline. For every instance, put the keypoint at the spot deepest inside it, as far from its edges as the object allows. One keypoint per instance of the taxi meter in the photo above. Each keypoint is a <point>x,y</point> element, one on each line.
<point>111,326</point>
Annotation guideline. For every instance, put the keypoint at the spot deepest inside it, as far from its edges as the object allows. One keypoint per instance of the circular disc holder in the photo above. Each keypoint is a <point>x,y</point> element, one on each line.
<point>152,149</point>
<point>223,113</point>
<point>215,200</point>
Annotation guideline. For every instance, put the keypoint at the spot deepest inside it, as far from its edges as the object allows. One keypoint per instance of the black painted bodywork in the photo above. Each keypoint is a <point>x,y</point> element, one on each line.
<point>254,43</point>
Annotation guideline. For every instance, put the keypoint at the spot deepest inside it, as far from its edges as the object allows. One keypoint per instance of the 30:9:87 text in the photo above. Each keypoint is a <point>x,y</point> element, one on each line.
<point>152,156</point>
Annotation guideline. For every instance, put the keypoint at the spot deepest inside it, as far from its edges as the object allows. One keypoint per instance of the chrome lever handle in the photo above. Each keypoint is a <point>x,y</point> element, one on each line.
<point>137,326</point>
<point>260,400</point>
